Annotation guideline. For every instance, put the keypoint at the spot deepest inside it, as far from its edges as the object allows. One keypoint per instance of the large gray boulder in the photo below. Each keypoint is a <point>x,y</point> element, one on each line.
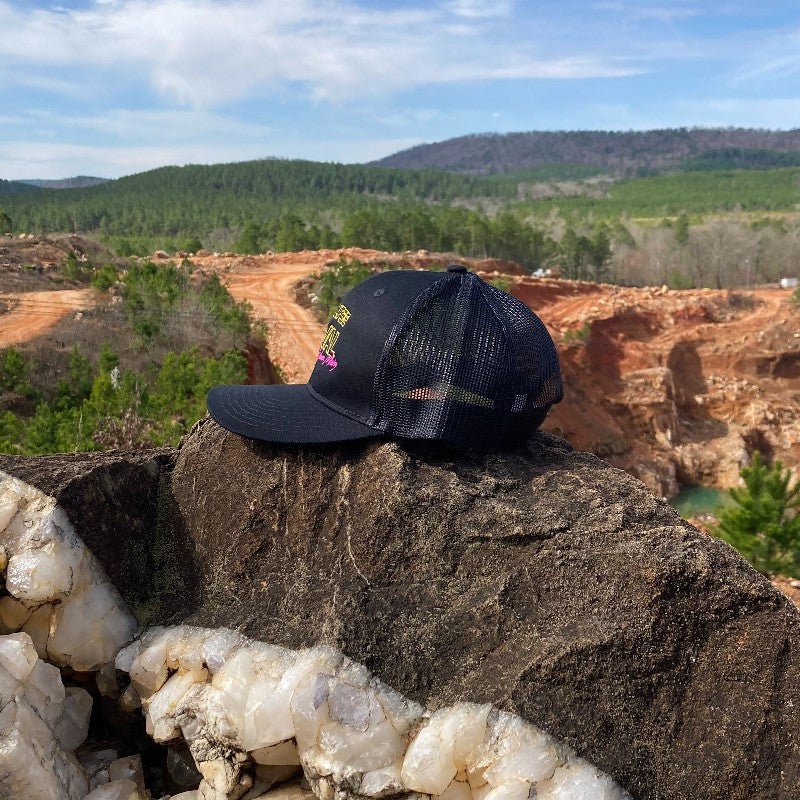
<point>541,580</point>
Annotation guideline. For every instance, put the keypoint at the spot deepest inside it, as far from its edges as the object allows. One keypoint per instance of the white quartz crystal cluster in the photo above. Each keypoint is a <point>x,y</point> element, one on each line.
<point>56,592</point>
<point>252,713</point>
<point>41,723</point>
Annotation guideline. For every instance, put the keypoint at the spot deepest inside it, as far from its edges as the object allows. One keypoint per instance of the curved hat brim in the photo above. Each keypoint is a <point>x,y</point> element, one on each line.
<point>288,414</point>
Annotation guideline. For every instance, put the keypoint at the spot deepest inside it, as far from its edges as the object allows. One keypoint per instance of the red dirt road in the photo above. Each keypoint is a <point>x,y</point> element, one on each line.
<point>32,313</point>
<point>294,334</point>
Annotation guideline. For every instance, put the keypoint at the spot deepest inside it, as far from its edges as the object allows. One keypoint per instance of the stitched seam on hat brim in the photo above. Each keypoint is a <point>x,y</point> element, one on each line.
<point>333,407</point>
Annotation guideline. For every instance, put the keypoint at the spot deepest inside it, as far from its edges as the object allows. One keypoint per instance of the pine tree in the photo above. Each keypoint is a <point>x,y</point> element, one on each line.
<point>248,242</point>
<point>764,525</point>
<point>5,222</point>
<point>682,229</point>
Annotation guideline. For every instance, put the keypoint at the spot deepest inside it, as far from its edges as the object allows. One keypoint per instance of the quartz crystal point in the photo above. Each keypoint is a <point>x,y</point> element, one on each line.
<point>250,713</point>
<point>40,724</point>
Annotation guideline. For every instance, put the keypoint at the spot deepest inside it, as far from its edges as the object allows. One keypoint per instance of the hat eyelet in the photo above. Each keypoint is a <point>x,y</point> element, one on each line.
<point>379,292</point>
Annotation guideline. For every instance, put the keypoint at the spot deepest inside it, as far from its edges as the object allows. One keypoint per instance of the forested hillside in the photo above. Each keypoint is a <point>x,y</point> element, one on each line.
<point>78,182</point>
<point>8,188</point>
<point>194,200</point>
<point>689,228</point>
<point>625,153</point>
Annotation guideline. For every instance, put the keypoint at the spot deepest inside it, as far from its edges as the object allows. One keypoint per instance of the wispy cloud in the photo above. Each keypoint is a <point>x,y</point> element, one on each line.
<point>205,54</point>
<point>480,9</point>
<point>183,125</point>
<point>777,59</point>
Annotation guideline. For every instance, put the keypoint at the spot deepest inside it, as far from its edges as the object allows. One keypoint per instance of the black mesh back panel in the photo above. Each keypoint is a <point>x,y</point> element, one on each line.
<point>465,363</point>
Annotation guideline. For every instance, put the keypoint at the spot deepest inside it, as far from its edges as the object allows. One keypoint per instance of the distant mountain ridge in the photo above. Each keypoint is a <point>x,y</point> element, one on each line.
<point>624,153</point>
<point>78,182</point>
<point>8,188</point>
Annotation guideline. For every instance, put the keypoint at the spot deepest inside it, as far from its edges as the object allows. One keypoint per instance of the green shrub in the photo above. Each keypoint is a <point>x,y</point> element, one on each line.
<point>228,315</point>
<point>150,291</point>
<point>75,270</point>
<point>165,402</point>
<point>336,281</point>
<point>679,280</point>
<point>11,428</point>
<point>104,278</point>
<point>13,369</point>
<point>764,525</point>
<point>502,282</point>
<point>578,335</point>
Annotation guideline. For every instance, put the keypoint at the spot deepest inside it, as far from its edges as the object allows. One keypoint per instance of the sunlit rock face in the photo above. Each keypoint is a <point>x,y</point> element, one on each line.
<point>253,714</point>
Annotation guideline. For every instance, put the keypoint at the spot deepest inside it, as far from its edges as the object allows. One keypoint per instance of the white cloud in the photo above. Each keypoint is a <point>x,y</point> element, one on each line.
<point>171,125</point>
<point>480,9</point>
<point>775,59</point>
<point>207,53</point>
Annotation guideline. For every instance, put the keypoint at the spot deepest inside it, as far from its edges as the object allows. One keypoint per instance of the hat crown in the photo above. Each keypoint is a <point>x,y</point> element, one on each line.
<point>454,358</point>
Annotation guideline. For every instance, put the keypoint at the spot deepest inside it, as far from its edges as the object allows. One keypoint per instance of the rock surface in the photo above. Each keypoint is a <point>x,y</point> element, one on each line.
<point>543,581</point>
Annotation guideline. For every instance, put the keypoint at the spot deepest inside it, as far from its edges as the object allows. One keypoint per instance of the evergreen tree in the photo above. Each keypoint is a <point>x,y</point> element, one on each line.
<point>291,234</point>
<point>572,254</point>
<point>764,525</point>
<point>5,222</point>
<point>682,229</point>
<point>599,251</point>
<point>13,369</point>
<point>249,241</point>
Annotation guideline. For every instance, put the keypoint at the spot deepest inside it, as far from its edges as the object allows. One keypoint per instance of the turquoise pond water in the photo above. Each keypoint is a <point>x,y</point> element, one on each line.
<point>693,500</point>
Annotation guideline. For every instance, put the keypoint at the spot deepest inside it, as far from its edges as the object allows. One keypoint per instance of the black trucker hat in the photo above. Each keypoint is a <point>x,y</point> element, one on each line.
<point>424,355</point>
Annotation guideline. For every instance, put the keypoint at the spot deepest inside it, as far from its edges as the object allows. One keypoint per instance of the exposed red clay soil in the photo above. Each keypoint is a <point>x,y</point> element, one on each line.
<point>30,314</point>
<point>674,386</point>
<point>267,283</point>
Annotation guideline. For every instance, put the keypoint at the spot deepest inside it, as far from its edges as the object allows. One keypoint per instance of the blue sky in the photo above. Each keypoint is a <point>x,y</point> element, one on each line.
<point>112,87</point>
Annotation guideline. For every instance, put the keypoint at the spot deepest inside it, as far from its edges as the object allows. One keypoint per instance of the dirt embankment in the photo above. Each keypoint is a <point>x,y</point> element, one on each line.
<point>34,291</point>
<point>29,314</point>
<point>677,387</point>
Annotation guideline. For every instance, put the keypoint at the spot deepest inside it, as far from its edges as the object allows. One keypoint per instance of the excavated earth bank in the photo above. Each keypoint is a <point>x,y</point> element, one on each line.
<point>542,581</point>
